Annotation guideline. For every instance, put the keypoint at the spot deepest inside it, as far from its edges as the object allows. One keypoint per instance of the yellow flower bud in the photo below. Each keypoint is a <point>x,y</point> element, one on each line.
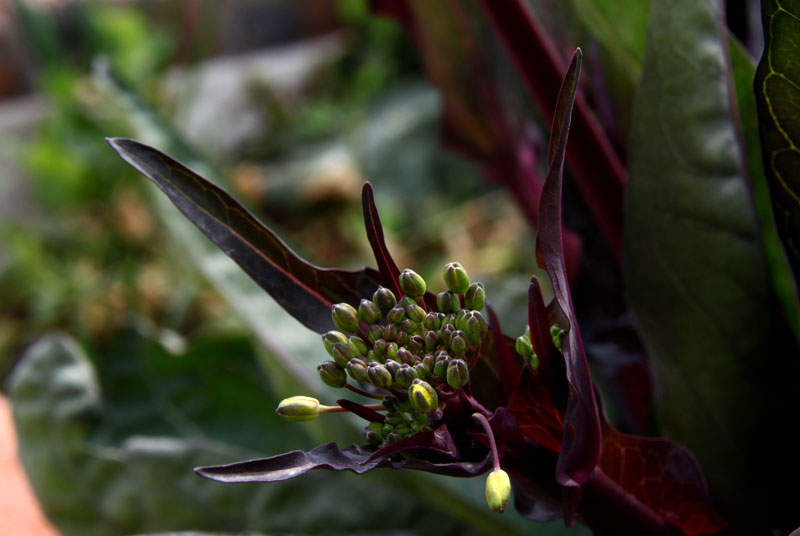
<point>299,408</point>
<point>498,490</point>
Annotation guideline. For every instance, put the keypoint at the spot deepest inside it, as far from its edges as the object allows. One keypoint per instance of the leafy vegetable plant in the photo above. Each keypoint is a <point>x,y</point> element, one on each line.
<point>457,396</point>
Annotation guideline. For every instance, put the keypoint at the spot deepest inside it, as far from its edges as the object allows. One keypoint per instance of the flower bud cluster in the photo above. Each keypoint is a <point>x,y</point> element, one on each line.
<point>400,346</point>
<point>524,346</point>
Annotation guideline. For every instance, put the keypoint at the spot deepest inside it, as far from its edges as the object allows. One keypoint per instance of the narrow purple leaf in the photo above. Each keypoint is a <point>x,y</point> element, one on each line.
<point>304,290</point>
<point>504,357</point>
<point>582,435</point>
<point>331,457</point>
<point>372,221</point>
<point>362,411</point>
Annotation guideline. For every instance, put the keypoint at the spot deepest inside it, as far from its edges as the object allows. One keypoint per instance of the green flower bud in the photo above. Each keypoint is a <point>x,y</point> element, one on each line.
<point>416,343</point>
<point>332,337</point>
<point>384,299</point>
<point>374,332</point>
<point>405,375</point>
<point>378,375</point>
<point>373,438</point>
<point>298,408</point>
<point>390,332</point>
<point>558,335</point>
<point>428,362</point>
<point>458,322</point>
<point>395,420</point>
<point>387,429</point>
<point>533,361</point>
<point>458,343</point>
<point>402,338</point>
<point>498,490</point>
<point>475,297</point>
<point>331,375</point>
<point>396,314</point>
<point>447,301</point>
<point>411,283</point>
<point>379,347</point>
<point>415,313</point>
<point>404,356</point>
<point>392,366</point>
<point>422,371</point>
<point>421,418</point>
<point>357,345</point>
<point>475,327</point>
<point>357,369</point>
<point>440,367</point>
<point>391,350</point>
<point>432,321</point>
<point>405,301</point>
<point>456,277</point>
<point>524,347</point>
<point>342,353</point>
<point>422,396</point>
<point>402,430</point>
<point>457,373</point>
<point>392,438</point>
<point>369,312</point>
<point>409,326</point>
<point>431,340</point>
<point>345,317</point>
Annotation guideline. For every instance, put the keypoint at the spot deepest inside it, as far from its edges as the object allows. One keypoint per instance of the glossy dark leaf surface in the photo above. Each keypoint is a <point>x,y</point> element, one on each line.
<point>581,437</point>
<point>304,290</point>
<point>386,265</point>
<point>777,87</point>
<point>693,265</point>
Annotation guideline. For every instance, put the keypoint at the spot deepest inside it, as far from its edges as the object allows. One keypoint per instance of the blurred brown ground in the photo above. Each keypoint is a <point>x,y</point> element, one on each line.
<point>20,514</point>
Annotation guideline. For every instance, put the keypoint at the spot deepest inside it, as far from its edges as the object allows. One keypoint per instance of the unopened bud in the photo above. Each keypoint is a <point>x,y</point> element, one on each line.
<point>422,396</point>
<point>374,332</point>
<point>422,371</point>
<point>404,356</point>
<point>457,373</point>
<point>416,343</point>
<point>392,366</point>
<point>431,340</point>
<point>524,347</point>
<point>390,332</point>
<point>391,350</point>
<point>411,283</point>
<point>342,353</point>
<point>456,277</point>
<point>396,314</point>
<point>408,325</point>
<point>384,299</point>
<point>415,313</point>
<point>558,335</point>
<point>475,327</point>
<point>345,317</point>
<point>379,347</point>
<point>378,375</point>
<point>357,369</point>
<point>402,338</point>
<point>440,367</point>
<point>498,490</point>
<point>475,297</point>
<point>432,321</point>
<point>331,375</point>
<point>369,312</point>
<point>332,337</point>
<point>405,375</point>
<point>448,302</point>
<point>358,345</point>
<point>458,343</point>
<point>298,408</point>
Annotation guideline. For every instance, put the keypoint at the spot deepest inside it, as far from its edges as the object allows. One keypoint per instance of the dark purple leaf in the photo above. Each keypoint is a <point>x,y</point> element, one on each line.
<point>304,290</point>
<point>582,437</point>
<point>504,356</point>
<point>329,456</point>
<point>596,167</point>
<point>372,221</point>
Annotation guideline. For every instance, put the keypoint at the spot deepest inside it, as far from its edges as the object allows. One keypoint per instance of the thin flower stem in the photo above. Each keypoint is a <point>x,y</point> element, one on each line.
<point>340,409</point>
<point>490,435</point>
<point>363,393</point>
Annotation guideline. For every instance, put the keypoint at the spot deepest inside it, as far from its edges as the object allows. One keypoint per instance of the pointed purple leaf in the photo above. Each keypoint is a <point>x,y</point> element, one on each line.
<point>582,436</point>
<point>372,221</point>
<point>504,356</point>
<point>304,290</point>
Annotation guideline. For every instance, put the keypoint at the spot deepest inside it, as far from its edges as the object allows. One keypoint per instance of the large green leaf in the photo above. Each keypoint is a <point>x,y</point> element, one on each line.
<point>110,447</point>
<point>693,265</point>
<point>742,71</point>
<point>777,88</point>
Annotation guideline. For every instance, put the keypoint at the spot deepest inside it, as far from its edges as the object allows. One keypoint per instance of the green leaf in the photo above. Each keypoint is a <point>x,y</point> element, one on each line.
<point>693,266</point>
<point>777,89</point>
<point>110,446</point>
<point>743,72</point>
